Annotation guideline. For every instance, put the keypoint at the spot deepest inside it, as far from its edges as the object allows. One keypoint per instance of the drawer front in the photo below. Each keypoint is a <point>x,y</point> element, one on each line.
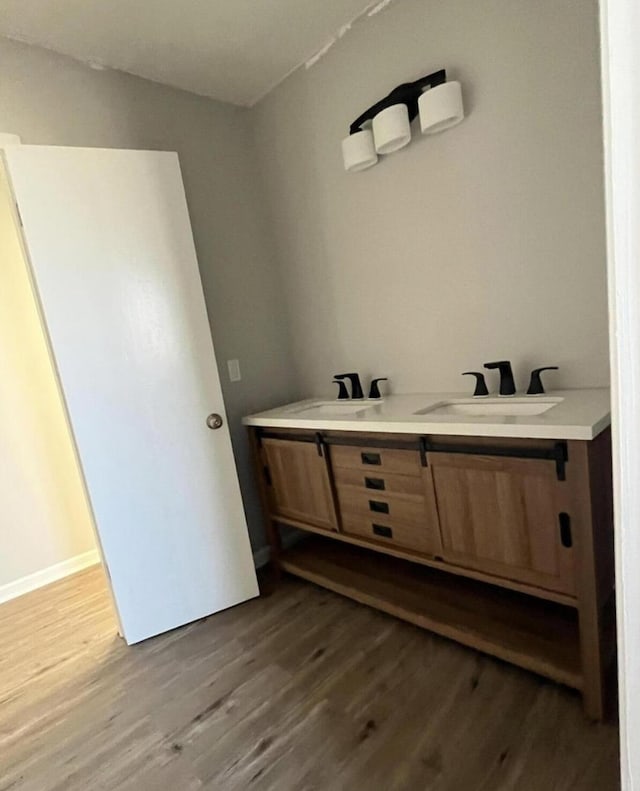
<point>406,509</point>
<point>384,530</point>
<point>377,460</point>
<point>376,482</point>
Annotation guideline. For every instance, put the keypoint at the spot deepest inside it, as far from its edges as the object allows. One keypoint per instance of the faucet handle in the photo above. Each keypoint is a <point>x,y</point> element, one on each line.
<point>374,390</point>
<point>343,393</point>
<point>535,385</point>
<point>481,385</point>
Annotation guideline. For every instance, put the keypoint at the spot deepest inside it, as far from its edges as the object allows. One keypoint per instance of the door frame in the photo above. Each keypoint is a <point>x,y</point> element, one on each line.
<point>620,33</point>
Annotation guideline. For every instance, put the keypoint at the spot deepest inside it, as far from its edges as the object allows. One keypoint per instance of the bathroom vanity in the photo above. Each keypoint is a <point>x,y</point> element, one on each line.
<point>487,521</point>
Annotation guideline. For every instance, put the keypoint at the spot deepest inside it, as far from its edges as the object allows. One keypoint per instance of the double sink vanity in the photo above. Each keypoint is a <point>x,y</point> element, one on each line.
<point>487,521</point>
<point>451,407</point>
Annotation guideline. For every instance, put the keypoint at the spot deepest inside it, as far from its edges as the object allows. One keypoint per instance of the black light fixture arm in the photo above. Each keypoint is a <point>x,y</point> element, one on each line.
<point>408,93</point>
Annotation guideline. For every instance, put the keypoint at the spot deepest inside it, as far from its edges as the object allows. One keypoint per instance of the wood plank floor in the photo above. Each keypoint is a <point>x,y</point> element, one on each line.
<point>298,690</point>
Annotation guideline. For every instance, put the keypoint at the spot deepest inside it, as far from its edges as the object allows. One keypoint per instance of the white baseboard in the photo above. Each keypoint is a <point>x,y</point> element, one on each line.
<point>52,573</point>
<point>40,578</point>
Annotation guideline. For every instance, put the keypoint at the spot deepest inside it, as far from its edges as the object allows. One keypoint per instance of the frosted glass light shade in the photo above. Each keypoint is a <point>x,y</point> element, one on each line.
<point>358,151</point>
<point>391,129</point>
<point>9,139</point>
<point>441,107</point>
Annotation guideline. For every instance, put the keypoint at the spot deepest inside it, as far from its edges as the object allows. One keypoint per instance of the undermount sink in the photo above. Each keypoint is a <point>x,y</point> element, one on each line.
<point>503,407</point>
<point>334,408</point>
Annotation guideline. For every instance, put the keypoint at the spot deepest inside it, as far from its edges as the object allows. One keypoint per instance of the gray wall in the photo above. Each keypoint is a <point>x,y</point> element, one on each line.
<point>49,99</point>
<point>484,242</point>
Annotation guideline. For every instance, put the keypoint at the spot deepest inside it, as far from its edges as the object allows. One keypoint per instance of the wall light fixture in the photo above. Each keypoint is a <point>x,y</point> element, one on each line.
<point>386,126</point>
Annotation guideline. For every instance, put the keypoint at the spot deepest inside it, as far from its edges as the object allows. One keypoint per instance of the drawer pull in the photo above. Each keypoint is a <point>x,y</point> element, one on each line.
<point>566,539</point>
<point>378,507</point>
<point>375,483</point>
<point>371,458</point>
<point>381,530</point>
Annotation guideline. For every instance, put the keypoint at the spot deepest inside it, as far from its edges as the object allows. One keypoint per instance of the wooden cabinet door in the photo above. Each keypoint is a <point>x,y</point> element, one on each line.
<point>300,486</point>
<point>505,516</point>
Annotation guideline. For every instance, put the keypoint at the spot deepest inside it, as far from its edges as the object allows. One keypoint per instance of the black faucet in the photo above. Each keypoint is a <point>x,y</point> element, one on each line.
<point>374,390</point>
<point>507,385</point>
<point>481,385</point>
<point>356,387</point>
<point>535,385</point>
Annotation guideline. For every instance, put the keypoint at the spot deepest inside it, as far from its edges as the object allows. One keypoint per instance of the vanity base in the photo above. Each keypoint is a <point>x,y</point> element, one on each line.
<point>535,634</point>
<point>504,545</point>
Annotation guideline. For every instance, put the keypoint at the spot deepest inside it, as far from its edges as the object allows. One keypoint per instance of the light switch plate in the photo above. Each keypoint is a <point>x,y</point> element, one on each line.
<point>234,370</point>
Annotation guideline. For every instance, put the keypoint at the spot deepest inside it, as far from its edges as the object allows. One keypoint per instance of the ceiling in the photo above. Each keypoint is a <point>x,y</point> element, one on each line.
<point>233,50</point>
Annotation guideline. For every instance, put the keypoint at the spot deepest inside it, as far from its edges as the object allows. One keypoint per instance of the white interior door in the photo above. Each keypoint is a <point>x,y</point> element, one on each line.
<point>113,261</point>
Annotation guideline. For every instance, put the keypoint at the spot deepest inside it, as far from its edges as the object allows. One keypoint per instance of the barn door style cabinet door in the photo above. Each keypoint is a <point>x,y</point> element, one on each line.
<point>299,485</point>
<point>505,516</point>
<point>504,545</point>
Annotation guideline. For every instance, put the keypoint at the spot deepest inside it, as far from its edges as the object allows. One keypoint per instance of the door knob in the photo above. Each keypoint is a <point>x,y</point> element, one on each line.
<point>214,421</point>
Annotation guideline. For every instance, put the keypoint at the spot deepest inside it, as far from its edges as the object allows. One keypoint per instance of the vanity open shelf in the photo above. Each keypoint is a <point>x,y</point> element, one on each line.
<point>535,634</point>
<point>504,544</point>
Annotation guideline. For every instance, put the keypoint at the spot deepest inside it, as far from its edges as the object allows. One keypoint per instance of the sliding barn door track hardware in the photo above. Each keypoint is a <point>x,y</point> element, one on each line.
<point>557,453</point>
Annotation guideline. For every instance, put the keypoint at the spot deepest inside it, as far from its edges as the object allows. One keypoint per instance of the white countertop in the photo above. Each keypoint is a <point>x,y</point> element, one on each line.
<point>580,414</point>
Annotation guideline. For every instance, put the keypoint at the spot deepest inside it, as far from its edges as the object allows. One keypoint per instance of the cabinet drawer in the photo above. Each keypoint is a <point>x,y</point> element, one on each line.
<point>405,509</point>
<point>382,529</point>
<point>377,481</point>
<point>404,462</point>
